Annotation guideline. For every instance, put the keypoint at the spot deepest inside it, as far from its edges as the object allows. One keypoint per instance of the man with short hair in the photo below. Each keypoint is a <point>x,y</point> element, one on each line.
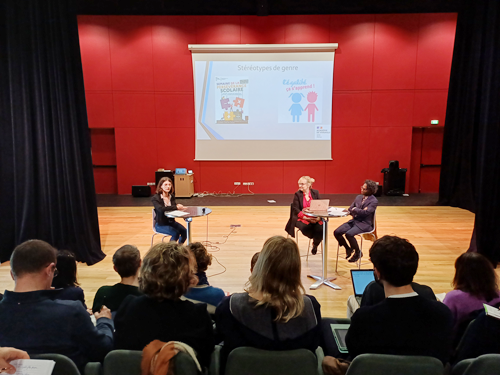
<point>405,323</point>
<point>126,261</point>
<point>363,220</point>
<point>32,319</point>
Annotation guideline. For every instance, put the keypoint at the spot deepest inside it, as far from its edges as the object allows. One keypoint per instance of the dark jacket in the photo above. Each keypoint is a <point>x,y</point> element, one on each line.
<point>33,322</point>
<point>295,208</point>
<point>363,212</point>
<point>140,320</point>
<point>374,293</point>
<point>160,209</point>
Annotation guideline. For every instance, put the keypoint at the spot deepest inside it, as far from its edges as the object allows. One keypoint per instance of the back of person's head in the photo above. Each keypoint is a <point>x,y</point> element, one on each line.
<point>395,259</point>
<point>276,276</point>
<point>66,267</point>
<point>474,274</point>
<point>203,258</point>
<point>254,260</point>
<point>167,271</point>
<point>127,260</point>
<point>31,257</point>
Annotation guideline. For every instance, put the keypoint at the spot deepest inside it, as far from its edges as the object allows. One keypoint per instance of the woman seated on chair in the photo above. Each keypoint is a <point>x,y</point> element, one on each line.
<point>311,227</point>
<point>167,272</point>
<point>274,313</point>
<point>362,211</point>
<point>475,283</point>
<point>164,201</point>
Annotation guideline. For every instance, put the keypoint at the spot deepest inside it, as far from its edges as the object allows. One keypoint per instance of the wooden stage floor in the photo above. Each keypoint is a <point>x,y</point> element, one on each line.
<point>439,233</point>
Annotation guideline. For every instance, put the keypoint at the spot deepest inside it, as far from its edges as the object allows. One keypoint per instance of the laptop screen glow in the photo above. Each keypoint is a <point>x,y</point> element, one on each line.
<point>360,279</point>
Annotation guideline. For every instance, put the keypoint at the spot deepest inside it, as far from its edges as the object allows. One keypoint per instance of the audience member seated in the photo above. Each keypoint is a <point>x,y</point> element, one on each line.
<point>475,283</point>
<point>31,320</point>
<point>374,293</point>
<point>126,262</point>
<point>274,313</point>
<point>10,354</point>
<point>167,271</point>
<point>253,261</point>
<point>404,323</point>
<point>203,292</point>
<point>65,280</point>
<point>311,227</point>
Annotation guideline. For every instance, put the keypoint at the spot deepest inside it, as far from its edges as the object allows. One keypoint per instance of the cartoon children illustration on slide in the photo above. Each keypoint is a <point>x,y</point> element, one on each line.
<point>296,109</point>
<point>311,107</point>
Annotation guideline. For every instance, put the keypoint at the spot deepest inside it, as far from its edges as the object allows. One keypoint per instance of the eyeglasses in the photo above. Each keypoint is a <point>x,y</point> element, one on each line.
<point>302,183</point>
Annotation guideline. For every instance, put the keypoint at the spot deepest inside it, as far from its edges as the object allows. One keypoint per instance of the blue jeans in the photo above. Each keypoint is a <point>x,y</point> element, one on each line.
<point>176,230</point>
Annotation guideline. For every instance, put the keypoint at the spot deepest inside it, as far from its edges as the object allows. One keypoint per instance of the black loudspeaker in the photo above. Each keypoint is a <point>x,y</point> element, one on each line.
<point>141,191</point>
<point>394,179</point>
<point>160,174</point>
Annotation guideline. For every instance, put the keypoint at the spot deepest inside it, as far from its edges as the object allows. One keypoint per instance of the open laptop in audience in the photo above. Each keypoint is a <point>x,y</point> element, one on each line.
<point>360,279</point>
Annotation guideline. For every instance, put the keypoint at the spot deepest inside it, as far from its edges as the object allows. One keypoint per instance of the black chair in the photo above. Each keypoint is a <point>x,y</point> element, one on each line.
<point>394,179</point>
<point>487,364</point>
<point>385,364</point>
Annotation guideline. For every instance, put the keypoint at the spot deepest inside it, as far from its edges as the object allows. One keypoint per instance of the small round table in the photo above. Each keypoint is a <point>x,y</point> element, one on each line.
<point>324,279</point>
<point>192,211</point>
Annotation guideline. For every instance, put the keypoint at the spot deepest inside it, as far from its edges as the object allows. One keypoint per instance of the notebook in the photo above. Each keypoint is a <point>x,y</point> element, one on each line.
<point>360,279</point>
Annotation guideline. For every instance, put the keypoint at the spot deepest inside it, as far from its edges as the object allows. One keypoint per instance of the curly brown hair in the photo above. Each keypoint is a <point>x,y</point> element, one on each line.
<point>167,271</point>
<point>203,258</point>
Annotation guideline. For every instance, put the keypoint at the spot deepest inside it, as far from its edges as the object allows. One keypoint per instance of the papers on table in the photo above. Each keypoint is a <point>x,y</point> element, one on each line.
<point>492,311</point>
<point>33,366</point>
<point>177,213</point>
<point>336,211</point>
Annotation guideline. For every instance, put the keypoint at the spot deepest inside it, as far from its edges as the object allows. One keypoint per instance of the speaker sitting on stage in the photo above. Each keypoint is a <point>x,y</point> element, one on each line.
<point>164,201</point>
<point>363,213</point>
<point>311,227</point>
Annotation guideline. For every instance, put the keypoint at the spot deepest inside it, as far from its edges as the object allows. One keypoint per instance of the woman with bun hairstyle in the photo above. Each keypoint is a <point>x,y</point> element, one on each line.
<point>311,227</point>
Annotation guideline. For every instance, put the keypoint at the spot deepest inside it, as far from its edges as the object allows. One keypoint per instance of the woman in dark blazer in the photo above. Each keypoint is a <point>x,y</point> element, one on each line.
<point>310,227</point>
<point>164,201</point>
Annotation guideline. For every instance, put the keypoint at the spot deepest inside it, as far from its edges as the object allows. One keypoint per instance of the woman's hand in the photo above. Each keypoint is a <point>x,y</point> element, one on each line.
<point>10,354</point>
<point>306,209</point>
<point>104,313</point>
<point>180,207</point>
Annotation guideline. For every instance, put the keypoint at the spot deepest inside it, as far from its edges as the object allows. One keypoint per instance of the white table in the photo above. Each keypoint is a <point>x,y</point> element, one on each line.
<point>192,211</point>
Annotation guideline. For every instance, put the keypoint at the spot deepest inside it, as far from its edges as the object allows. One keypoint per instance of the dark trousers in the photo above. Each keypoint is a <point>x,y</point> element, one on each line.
<point>313,231</point>
<point>350,230</point>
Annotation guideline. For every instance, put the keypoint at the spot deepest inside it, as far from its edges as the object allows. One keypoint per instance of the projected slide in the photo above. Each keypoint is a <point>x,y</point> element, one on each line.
<point>269,100</point>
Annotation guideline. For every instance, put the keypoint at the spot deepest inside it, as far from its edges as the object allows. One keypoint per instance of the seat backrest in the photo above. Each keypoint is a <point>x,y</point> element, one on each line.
<point>128,362</point>
<point>486,364</point>
<point>384,364</point>
<point>252,361</point>
<point>63,366</point>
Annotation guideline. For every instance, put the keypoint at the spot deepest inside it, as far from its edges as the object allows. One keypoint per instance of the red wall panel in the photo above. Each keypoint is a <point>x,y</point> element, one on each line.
<point>307,29</point>
<point>131,53</point>
<point>105,181</point>
<point>391,72</point>
<point>134,110</point>
<point>392,108</point>
<point>435,50</point>
<point>103,146</point>
<point>263,30</point>
<point>136,157</point>
<point>267,176</point>
<point>99,109</point>
<point>174,110</point>
<point>94,46</point>
<point>351,109</point>
<point>350,149</point>
<point>429,105</point>
<point>354,57</point>
<point>396,37</point>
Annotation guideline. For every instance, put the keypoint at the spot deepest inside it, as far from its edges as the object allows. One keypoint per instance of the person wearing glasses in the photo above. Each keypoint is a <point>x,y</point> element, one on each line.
<point>311,227</point>
<point>34,320</point>
<point>362,211</point>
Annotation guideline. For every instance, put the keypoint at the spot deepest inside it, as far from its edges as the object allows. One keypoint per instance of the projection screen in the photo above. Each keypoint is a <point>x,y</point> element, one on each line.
<point>263,102</point>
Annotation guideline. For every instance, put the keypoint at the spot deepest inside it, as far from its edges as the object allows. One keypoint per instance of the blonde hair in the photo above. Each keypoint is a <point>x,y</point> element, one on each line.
<point>167,271</point>
<point>308,179</point>
<point>276,276</point>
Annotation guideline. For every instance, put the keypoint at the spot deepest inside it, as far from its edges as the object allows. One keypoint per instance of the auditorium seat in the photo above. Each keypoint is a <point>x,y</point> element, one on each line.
<point>384,364</point>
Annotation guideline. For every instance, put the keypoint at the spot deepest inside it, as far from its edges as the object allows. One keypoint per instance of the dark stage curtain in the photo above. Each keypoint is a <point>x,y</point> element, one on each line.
<point>470,170</point>
<point>46,185</point>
